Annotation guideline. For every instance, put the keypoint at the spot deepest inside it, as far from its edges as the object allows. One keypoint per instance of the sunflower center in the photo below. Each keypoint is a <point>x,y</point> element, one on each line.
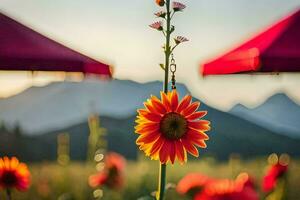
<point>9,179</point>
<point>173,126</point>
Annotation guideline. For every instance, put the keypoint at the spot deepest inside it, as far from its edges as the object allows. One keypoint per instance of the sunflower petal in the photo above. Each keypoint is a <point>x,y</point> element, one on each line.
<point>180,152</point>
<point>6,163</point>
<point>174,100</point>
<point>142,129</point>
<point>147,138</point>
<point>145,124</point>
<point>202,125</point>
<point>172,151</point>
<point>197,135</point>
<point>150,116</point>
<point>158,105</point>
<point>200,143</point>
<point>197,115</point>
<point>189,147</point>
<point>156,146</point>
<point>185,102</point>
<point>14,162</point>
<point>23,170</point>
<point>1,163</point>
<point>164,152</point>
<point>150,107</point>
<point>165,101</point>
<point>191,109</point>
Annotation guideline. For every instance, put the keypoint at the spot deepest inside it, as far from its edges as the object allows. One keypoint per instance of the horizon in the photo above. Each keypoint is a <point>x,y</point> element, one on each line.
<point>93,80</point>
<point>221,27</point>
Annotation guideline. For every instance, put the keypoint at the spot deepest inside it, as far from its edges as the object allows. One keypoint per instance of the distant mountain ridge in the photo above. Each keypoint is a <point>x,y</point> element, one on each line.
<point>279,113</point>
<point>59,105</point>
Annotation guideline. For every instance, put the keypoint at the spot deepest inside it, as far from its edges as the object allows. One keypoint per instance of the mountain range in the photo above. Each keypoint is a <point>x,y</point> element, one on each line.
<point>279,113</point>
<point>59,105</point>
<point>45,112</point>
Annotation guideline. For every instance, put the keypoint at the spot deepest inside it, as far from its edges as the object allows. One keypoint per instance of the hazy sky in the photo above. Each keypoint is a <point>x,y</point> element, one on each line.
<point>117,32</point>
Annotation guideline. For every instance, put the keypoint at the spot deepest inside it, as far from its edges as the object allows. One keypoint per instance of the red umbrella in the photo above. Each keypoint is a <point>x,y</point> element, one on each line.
<point>275,50</point>
<point>22,48</point>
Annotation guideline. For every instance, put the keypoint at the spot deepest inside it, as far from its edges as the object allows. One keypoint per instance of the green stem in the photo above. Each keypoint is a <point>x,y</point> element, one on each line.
<point>163,167</point>
<point>9,196</point>
<point>167,47</point>
<point>162,182</point>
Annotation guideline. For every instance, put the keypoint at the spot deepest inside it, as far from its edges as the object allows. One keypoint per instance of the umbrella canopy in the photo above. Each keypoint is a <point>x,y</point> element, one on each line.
<point>22,48</point>
<point>275,50</point>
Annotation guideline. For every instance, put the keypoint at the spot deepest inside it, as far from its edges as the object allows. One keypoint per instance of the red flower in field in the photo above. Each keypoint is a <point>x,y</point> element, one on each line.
<point>98,179</point>
<point>112,175</point>
<point>157,25</point>
<point>177,6</point>
<point>225,189</point>
<point>160,2</point>
<point>14,174</point>
<point>114,161</point>
<point>193,182</point>
<point>275,172</point>
<point>218,189</point>
<point>168,129</point>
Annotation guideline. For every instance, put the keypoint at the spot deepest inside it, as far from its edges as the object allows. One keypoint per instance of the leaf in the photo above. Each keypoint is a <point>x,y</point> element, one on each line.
<point>162,66</point>
<point>172,29</point>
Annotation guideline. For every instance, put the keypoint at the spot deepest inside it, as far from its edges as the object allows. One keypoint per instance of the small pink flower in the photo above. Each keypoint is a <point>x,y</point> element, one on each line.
<point>180,39</point>
<point>157,25</point>
<point>178,6</point>
<point>161,14</point>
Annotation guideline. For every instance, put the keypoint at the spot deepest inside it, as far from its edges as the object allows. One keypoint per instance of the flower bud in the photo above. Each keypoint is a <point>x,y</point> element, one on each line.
<point>160,2</point>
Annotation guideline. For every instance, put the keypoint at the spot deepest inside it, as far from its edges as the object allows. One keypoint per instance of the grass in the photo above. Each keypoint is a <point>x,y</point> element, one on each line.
<point>51,181</point>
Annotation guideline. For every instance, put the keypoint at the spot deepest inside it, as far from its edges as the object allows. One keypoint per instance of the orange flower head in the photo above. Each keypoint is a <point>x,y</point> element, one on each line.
<point>238,189</point>
<point>114,161</point>
<point>14,174</point>
<point>168,129</point>
<point>160,2</point>
<point>202,187</point>
<point>112,175</point>
<point>193,182</point>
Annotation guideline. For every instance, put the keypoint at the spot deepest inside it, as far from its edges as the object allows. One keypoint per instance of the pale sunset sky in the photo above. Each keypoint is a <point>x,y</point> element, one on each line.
<point>117,33</point>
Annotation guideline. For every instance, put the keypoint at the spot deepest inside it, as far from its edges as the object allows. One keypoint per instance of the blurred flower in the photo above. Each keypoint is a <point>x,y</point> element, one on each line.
<point>168,129</point>
<point>160,2</point>
<point>193,182</point>
<point>14,174</point>
<point>98,179</point>
<point>114,161</point>
<point>157,25</point>
<point>112,175</point>
<point>177,6</point>
<point>206,188</point>
<point>161,14</point>
<point>180,39</point>
<point>275,172</point>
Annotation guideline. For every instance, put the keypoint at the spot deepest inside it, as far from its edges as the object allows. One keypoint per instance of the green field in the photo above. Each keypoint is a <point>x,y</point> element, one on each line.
<point>51,181</point>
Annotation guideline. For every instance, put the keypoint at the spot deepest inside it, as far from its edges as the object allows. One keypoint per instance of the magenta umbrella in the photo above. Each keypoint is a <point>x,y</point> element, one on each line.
<point>277,49</point>
<point>23,49</point>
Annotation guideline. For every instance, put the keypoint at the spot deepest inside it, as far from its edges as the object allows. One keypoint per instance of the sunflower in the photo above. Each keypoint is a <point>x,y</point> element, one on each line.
<point>14,174</point>
<point>168,129</point>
